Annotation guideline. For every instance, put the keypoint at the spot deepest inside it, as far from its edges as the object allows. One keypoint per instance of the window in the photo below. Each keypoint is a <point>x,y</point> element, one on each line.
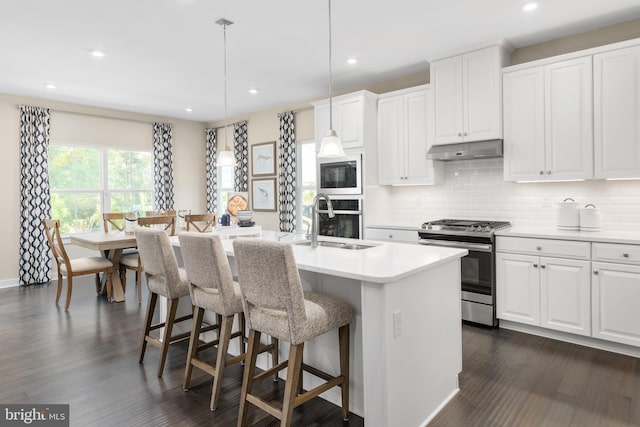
<point>86,181</point>
<point>225,185</point>
<point>306,160</point>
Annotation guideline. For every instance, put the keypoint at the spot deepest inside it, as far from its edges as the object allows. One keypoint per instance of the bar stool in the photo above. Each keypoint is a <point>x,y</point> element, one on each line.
<point>163,278</point>
<point>213,289</point>
<point>274,303</point>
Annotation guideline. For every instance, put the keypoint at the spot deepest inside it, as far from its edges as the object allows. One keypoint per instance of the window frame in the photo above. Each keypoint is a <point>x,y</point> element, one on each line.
<point>300,188</point>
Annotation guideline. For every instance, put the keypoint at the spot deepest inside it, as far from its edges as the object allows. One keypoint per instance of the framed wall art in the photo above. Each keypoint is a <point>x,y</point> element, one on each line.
<point>263,159</point>
<point>263,194</point>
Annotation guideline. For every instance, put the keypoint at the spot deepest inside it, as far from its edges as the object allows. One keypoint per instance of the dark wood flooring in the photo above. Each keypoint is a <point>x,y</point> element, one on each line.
<point>88,357</point>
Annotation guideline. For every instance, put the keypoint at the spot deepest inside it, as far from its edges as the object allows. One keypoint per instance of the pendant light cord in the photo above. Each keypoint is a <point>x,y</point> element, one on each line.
<point>330,74</point>
<point>224,31</point>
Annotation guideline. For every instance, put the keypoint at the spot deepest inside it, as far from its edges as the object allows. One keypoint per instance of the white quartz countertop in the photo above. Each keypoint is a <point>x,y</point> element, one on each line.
<point>603,236</point>
<point>383,263</point>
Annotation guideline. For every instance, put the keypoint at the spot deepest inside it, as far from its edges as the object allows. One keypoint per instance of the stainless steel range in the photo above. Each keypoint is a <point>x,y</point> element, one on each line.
<point>478,268</point>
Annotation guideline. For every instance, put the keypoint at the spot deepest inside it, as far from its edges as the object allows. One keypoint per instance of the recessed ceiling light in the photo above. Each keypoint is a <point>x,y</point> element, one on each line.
<point>188,109</point>
<point>530,6</point>
<point>352,61</point>
<point>253,91</point>
<point>97,53</point>
<point>50,86</point>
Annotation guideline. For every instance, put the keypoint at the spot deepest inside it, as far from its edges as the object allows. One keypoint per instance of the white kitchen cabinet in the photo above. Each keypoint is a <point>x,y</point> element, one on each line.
<point>398,235</point>
<point>404,138</point>
<point>518,288</point>
<point>548,122</point>
<point>615,296</point>
<point>543,290</point>
<point>617,113</point>
<point>467,94</point>
<point>354,119</point>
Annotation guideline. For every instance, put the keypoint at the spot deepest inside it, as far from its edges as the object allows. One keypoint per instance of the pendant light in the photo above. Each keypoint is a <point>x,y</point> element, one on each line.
<point>331,145</point>
<point>226,156</point>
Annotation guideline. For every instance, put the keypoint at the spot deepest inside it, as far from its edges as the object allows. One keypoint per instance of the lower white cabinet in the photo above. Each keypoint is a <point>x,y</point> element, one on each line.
<point>399,235</point>
<point>616,302</point>
<point>542,291</point>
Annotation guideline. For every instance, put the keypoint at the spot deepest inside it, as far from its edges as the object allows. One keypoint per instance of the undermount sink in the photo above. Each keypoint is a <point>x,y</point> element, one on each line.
<point>339,245</point>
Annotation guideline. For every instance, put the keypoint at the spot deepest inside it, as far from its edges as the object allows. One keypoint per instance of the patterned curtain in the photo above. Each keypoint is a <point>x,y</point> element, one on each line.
<point>162,167</point>
<point>241,153</point>
<point>35,200</point>
<point>287,173</point>
<point>212,170</point>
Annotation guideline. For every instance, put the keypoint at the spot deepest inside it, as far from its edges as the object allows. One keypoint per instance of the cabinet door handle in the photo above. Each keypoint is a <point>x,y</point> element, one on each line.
<point>539,248</point>
<point>543,266</point>
<point>464,134</point>
<point>391,236</point>
<point>541,173</point>
<point>595,272</point>
<point>625,255</point>
<point>548,172</point>
<point>459,133</point>
<point>535,265</point>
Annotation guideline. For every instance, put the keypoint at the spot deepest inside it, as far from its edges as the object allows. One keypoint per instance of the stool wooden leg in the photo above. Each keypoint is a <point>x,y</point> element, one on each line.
<point>172,308</point>
<point>291,387</point>
<point>274,356</point>
<point>148,318</point>
<point>221,358</point>
<point>242,325</point>
<point>343,337</point>
<point>193,347</point>
<point>247,377</point>
<point>139,284</point>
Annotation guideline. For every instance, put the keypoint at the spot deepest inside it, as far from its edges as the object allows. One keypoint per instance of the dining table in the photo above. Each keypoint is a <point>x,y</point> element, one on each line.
<point>110,245</point>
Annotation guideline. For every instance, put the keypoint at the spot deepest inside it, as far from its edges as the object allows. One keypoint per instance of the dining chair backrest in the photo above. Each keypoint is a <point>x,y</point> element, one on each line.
<point>113,221</point>
<point>52,231</point>
<point>166,222</point>
<point>270,285</point>
<point>201,222</point>
<point>207,266</point>
<point>158,261</point>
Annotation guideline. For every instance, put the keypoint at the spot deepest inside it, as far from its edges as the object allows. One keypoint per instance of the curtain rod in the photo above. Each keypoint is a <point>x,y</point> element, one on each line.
<point>299,110</point>
<point>58,110</point>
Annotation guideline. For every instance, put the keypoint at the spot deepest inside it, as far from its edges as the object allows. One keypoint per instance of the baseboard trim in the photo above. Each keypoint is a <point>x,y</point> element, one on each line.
<point>574,339</point>
<point>9,283</point>
<point>441,406</point>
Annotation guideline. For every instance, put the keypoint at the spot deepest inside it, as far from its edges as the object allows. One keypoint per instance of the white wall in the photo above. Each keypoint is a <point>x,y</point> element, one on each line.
<point>475,189</point>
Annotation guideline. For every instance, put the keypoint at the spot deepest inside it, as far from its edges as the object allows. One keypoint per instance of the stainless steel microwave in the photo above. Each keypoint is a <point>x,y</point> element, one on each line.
<point>340,175</point>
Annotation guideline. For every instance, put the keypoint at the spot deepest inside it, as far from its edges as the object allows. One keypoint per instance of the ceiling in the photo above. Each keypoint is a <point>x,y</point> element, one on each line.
<point>162,56</point>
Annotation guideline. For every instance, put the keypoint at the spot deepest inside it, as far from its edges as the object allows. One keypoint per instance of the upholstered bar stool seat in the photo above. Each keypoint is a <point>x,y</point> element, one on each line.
<point>275,303</point>
<point>166,279</point>
<point>213,289</point>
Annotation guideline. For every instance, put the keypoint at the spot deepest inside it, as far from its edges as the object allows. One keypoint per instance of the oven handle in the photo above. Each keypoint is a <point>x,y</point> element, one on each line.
<point>323,211</point>
<point>478,247</point>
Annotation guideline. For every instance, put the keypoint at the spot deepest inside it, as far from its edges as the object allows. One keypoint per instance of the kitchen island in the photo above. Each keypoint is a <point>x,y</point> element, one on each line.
<point>406,345</point>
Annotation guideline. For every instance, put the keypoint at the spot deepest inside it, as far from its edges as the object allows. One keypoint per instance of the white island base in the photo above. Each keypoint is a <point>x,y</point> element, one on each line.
<point>406,335</point>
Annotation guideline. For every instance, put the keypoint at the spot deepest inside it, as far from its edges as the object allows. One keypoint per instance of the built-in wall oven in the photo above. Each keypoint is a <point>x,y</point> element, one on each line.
<point>340,175</point>
<point>347,221</point>
<point>477,268</point>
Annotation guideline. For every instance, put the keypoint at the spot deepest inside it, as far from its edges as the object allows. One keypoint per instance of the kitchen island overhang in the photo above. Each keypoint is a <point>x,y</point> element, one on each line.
<point>406,336</point>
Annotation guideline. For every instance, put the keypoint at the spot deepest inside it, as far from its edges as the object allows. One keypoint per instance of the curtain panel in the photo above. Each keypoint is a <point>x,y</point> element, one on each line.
<point>35,199</point>
<point>241,153</point>
<point>163,197</point>
<point>211,169</point>
<point>287,176</point>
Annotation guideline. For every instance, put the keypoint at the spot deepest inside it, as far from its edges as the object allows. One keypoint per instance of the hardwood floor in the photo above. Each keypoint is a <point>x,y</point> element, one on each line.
<point>88,357</point>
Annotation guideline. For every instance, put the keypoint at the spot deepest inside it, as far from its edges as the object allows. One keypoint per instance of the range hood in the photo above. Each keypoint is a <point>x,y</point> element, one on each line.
<point>466,150</point>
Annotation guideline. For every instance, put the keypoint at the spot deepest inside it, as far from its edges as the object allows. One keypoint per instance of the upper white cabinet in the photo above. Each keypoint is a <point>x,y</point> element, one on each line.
<point>404,137</point>
<point>467,93</point>
<point>617,113</point>
<point>354,119</point>
<point>548,122</point>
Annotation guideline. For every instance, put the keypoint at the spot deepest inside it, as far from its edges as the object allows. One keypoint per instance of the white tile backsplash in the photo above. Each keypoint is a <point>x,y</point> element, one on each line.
<point>475,189</point>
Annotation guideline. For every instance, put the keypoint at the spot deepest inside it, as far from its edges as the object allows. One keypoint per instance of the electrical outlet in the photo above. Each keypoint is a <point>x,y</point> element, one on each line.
<point>397,323</point>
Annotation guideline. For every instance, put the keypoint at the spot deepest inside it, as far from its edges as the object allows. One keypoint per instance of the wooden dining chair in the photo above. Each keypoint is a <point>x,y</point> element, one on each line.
<point>74,267</point>
<point>132,261</point>
<point>113,221</point>
<point>200,222</point>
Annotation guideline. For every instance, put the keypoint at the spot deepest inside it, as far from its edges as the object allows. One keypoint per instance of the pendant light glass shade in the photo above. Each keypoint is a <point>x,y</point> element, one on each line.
<point>226,156</point>
<point>331,145</point>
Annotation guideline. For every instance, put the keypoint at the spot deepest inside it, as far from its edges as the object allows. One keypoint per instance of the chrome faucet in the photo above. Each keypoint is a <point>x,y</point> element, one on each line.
<point>316,216</point>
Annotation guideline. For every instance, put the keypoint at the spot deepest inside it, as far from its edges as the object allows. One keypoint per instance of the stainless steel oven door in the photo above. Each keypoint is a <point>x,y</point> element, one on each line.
<point>347,221</point>
<point>342,175</point>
